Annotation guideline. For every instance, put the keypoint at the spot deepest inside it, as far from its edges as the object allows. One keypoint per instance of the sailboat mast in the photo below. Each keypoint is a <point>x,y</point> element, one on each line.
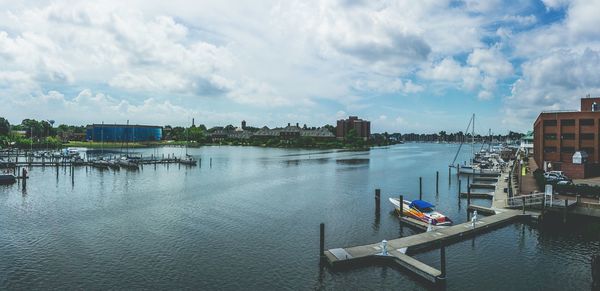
<point>102,138</point>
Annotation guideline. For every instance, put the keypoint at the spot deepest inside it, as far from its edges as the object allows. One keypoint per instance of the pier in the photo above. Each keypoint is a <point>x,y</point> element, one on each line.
<point>505,209</point>
<point>395,251</point>
<point>481,195</point>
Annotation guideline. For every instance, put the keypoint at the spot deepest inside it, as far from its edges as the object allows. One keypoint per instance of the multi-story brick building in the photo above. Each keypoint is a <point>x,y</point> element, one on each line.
<point>559,135</point>
<point>362,127</point>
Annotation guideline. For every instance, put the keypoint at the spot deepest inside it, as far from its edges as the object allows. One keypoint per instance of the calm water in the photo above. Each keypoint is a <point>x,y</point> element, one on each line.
<point>251,221</point>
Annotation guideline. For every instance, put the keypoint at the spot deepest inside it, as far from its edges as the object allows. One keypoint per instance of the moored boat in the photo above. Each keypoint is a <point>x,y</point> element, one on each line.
<point>188,160</point>
<point>421,210</point>
<point>6,179</point>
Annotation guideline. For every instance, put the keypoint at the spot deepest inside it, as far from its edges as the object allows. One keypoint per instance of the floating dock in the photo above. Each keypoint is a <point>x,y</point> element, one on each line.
<point>483,186</point>
<point>482,195</point>
<point>397,248</point>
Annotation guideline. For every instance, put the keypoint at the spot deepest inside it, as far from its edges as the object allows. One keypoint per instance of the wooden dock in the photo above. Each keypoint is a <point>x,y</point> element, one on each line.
<point>397,248</point>
<point>485,179</point>
<point>475,195</point>
<point>483,186</point>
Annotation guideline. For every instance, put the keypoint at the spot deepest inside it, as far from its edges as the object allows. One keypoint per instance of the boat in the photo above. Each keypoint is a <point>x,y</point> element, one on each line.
<point>6,179</point>
<point>114,164</point>
<point>127,163</point>
<point>476,169</point>
<point>100,164</point>
<point>188,160</point>
<point>421,210</point>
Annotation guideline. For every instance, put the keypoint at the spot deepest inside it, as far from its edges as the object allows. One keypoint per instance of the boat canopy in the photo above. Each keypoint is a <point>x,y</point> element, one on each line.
<point>420,204</point>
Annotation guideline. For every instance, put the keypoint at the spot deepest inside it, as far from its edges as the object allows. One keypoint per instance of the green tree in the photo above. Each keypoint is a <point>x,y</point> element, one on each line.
<point>196,134</point>
<point>4,127</point>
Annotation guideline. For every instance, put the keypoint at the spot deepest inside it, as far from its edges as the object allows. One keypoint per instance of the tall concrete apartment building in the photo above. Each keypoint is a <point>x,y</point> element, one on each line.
<point>568,141</point>
<point>362,127</point>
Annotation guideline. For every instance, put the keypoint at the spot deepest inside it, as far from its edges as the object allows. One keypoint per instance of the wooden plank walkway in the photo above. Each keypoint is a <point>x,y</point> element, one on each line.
<point>483,186</point>
<point>398,247</point>
<point>485,179</point>
<point>482,195</point>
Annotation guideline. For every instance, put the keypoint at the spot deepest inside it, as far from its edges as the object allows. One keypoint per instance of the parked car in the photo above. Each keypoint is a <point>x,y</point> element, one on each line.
<point>564,182</point>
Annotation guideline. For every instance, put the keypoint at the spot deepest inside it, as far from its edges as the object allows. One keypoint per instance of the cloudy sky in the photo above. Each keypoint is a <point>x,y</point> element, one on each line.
<point>408,66</point>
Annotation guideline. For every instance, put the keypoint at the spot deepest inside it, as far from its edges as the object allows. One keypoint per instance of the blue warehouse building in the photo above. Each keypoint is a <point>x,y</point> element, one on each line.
<point>123,133</point>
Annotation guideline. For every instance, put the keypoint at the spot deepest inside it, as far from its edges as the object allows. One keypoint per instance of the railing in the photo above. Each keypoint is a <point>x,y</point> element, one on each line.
<point>535,199</point>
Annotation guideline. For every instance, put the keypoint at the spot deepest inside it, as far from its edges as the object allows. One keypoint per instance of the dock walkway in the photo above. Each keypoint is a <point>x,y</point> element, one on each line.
<point>397,248</point>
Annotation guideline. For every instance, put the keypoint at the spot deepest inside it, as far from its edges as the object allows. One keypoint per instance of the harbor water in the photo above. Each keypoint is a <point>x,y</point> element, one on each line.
<point>250,220</point>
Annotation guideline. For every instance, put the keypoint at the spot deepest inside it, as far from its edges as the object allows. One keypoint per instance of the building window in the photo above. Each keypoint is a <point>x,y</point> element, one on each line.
<point>549,122</point>
<point>567,122</point>
<point>568,136</point>
<point>587,136</point>
<point>586,122</point>
<point>550,136</point>
<point>549,149</point>
<point>567,150</point>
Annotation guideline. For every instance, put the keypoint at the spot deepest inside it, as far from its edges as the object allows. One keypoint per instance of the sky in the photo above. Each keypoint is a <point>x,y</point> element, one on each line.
<point>407,66</point>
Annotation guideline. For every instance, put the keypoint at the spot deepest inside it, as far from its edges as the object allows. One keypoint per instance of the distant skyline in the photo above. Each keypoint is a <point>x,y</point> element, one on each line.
<point>407,66</point>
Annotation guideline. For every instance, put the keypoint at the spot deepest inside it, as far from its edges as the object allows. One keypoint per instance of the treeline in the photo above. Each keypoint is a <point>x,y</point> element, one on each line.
<point>36,134</point>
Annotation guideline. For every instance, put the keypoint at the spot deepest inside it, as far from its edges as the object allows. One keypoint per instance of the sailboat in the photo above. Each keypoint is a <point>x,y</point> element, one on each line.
<point>125,161</point>
<point>473,167</point>
<point>187,160</point>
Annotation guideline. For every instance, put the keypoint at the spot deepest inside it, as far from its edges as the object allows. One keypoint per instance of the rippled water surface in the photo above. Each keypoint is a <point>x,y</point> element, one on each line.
<point>251,221</point>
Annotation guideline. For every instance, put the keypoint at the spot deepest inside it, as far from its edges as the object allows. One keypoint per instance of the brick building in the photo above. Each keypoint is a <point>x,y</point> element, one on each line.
<point>362,127</point>
<point>561,135</point>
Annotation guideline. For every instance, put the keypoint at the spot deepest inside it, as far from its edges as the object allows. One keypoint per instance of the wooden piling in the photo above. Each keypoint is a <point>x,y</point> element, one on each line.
<point>523,201</point>
<point>437,181</point>
<point>420,188</point>
<point>595,272</point>
<point>442,261</point>
<point>322,242</point>
<point>459,183</point>
<point>211,162</point>
<point>401,206</point>
<point>24,177</point>
<point>543,208</point>
<point>468,195</point>
<point>377,198</point>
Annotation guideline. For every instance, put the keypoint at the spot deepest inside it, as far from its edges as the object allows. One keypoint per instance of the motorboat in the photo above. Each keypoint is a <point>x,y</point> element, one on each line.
<point>421,210</point>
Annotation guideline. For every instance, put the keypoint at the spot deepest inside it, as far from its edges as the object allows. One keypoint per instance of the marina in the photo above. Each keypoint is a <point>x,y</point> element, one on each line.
<point>128,220</point>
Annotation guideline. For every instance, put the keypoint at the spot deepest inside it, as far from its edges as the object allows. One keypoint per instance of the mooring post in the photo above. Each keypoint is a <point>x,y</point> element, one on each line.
<point>543,207</point>
<point>523,201</point>
<point>211,162</point>
<point>596,272</point>
<point>459,182</point>
<point>322,242</point>
<point>442,261</point>
<point>468,195</point>
<point>468,181</point>
<point>420,188</point>
<point>377,198</point>
<point>437,181</point>
<point>449,175</point>
<point>457,170</point>
<point>401,206</point>
<point>24,177</point>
